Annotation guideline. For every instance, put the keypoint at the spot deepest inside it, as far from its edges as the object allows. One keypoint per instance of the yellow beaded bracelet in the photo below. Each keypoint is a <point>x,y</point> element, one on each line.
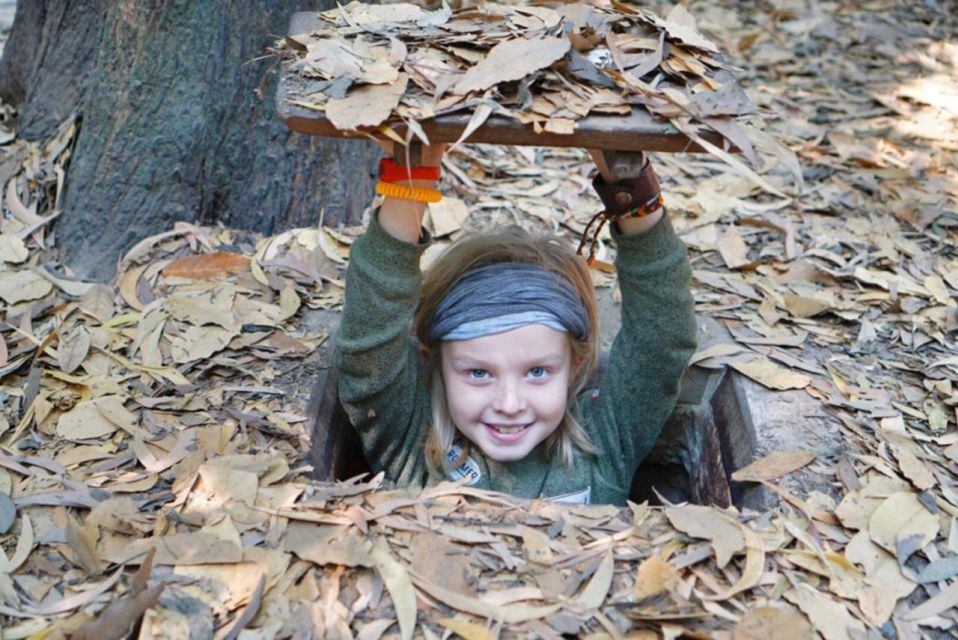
<point>405,192</point>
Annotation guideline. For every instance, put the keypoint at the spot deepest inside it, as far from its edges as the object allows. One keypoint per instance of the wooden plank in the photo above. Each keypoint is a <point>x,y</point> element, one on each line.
<point>639,131</point>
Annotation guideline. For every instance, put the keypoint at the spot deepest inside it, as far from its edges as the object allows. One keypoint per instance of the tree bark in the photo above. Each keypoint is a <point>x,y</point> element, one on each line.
<point>176,105</point>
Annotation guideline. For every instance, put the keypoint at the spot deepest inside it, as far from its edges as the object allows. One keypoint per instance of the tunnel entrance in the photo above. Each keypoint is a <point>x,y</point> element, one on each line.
<point>707,437</point>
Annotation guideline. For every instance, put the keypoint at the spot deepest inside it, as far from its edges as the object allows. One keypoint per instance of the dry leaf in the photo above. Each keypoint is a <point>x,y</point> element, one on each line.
<point>16,207</point>
<point>512,60</point>
<point>199,547</point>
<point>915,470</point>
<point>478,118</point>
<point>400,588</point>
<point>733,249</point>
<point>446,216</point>
<point>681,26</point>
<point>98,302</point>
<point>709,524</point>
<point>222,488</point>
<point>767,373</point>
<point>718,351</point>
<point>202,307</point>
<point>119,618</point>
<point>289,301</point>
<point>325,545</point>
<point>129,284</point>
<point>881,568</point>
<point>944,600</point>
<point>877,604</point>
<point>25,542</point>
<point>754,565</point>
<point>19,286</point>
<point>207,265</point>
<point>232,584</point>
<point>95,418</point>
<point>466,630</point>
<point>79,600</point>
<point>804,307</point>
<point>439,560</point>
<point>82,540</point>
<point>248,613</point>
<point>367,106</point>
<point>935,571</point>
<point>73,349</point>
<point>197,343</point>
<point>899,518</point>
<point>12,249</point>
<point>772,623</point>
<point>595,591</point>
<point>509,613</point>
<point>774,465</point>
<point>829,617</point>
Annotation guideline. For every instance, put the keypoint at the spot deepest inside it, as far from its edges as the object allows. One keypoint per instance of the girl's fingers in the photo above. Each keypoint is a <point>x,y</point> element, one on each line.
<point>432,154</point>
<point>427,156</point>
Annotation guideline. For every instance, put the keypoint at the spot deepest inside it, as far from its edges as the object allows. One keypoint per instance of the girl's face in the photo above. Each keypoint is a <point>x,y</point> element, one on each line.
<point>507,392</point>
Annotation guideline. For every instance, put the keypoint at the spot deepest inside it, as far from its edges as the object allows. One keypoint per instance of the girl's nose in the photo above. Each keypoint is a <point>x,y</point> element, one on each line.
<point>509,401</point>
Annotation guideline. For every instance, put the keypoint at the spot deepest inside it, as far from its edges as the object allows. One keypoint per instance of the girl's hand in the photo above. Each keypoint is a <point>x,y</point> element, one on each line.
<point>402,219</point>
<point>419,155</point>
<point>616,166</point>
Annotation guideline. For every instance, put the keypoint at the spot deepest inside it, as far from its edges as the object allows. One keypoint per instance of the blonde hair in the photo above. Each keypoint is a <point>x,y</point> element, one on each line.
<point>509,245</point>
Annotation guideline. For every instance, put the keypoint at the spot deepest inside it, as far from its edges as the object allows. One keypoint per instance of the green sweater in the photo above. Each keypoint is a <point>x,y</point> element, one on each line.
<point>382,376</point>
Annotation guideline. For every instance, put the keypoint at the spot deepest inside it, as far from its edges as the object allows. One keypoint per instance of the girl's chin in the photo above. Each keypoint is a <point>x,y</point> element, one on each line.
<point>498,455</point>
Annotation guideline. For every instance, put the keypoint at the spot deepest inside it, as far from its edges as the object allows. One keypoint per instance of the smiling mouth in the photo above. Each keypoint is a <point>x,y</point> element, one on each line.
<point>508,429</point>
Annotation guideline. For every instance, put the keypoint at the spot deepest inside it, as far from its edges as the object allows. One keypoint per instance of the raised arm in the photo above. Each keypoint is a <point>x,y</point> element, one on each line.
<point>381,377</point>
<point>658,332</point>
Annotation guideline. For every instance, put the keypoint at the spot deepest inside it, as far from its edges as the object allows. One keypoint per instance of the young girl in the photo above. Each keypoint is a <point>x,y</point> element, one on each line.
<point>507,338</point>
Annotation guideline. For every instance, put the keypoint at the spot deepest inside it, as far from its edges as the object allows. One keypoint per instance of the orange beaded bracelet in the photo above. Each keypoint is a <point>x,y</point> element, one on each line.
<point>404,192</point>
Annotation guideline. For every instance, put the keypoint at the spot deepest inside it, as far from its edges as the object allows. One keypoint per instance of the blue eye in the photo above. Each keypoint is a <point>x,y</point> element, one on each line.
<point>478,374</point>
<point>537,372</point>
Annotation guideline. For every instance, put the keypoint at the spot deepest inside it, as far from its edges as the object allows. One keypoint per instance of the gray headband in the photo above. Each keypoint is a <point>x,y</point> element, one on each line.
<point>505,296</point>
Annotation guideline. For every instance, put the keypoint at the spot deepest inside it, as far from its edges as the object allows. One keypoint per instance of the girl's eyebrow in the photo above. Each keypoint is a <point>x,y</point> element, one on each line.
<point>552,359</point>
<point>466,361</point>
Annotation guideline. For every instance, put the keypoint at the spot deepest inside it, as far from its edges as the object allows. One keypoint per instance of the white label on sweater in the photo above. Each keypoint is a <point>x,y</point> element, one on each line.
<point>469,470</point>
<point>577,497</point>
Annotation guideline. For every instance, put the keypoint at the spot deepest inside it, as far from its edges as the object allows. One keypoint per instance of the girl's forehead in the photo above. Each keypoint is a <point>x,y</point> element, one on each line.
<point>530,342</point>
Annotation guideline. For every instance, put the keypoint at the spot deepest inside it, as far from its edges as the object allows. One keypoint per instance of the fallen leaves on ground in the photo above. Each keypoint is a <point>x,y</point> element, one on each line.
<point>113,448</point>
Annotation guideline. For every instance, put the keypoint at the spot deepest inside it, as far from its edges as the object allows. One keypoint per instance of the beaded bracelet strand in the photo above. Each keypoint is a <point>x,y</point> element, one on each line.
<point>645,209</point>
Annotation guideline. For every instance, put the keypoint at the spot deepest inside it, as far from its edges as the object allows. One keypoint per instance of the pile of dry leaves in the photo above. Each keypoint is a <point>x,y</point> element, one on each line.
<point>546,66</point>
<point>151,459</point>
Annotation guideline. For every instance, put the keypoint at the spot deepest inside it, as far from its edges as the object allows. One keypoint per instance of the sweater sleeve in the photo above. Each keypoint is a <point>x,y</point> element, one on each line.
<point>649,354</point>
<point>381,373</point>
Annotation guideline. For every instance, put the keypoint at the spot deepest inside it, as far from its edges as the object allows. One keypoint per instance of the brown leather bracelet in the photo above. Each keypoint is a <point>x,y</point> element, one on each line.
<point>626,197</point>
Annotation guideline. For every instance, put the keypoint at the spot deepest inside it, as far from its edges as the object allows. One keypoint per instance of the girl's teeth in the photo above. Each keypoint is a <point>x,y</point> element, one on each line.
<point>509,429</point>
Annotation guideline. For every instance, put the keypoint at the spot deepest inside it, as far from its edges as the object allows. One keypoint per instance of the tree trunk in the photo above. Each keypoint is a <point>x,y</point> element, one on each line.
<point>176,105</point>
